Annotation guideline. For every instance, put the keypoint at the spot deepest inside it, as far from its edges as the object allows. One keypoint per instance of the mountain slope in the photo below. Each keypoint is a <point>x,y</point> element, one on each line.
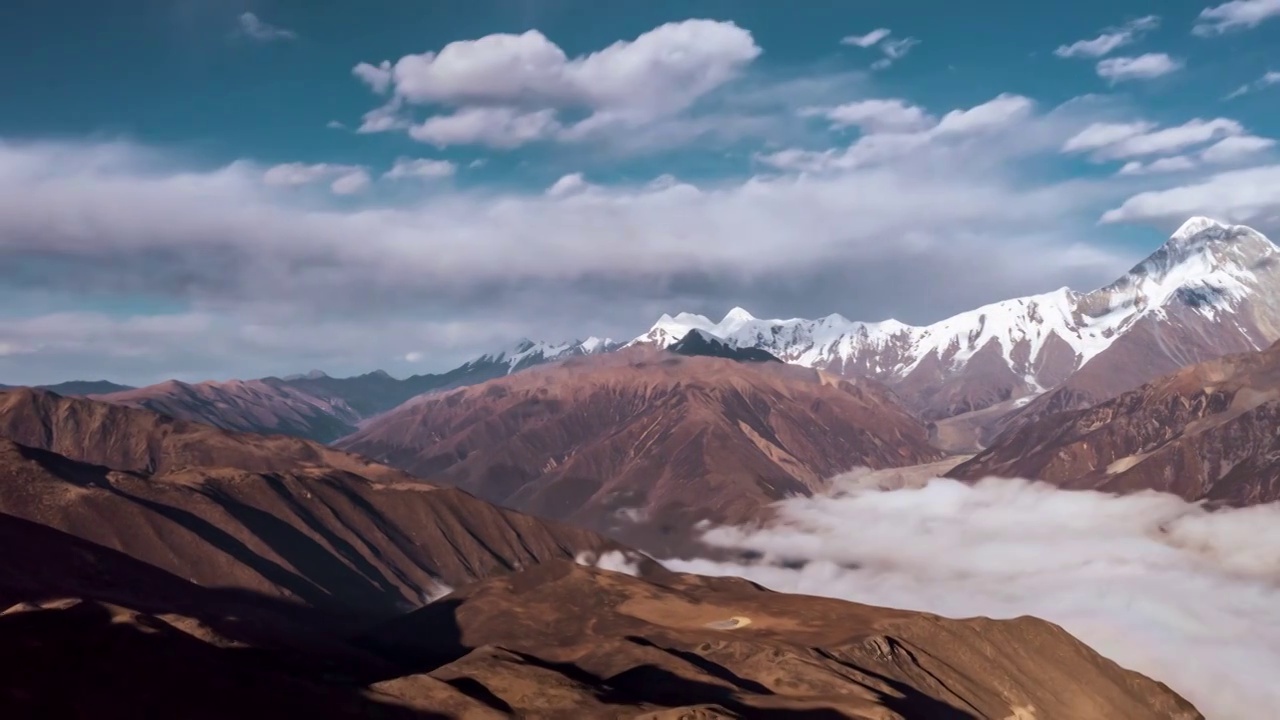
<point>1211,289</point>
<point>563,640</point>
<point>1207,431</point>
<point>276,516</point>
<point>660,439</point>
<point>318,407</point>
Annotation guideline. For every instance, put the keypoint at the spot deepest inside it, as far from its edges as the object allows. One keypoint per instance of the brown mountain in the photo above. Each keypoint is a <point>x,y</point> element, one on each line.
<point>637,435</point>
<point>278,516</point>
<point>563,640</point>
<point>1204,432</point>
<point>103,635</point>
<point>316,406</point>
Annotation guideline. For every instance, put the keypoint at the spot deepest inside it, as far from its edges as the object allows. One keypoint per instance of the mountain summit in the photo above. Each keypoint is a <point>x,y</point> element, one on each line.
<point>1212,289</point>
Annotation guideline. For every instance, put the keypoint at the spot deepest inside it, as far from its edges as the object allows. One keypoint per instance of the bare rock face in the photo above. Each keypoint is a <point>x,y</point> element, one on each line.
<point>612,440</point>
<point>549,641</point>
<point>277,516</point>
<point>1204,432</point>
<point>1211,290</point>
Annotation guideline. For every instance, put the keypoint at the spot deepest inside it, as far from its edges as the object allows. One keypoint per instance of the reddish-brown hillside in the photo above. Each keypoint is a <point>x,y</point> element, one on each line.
<point>1205,432</point>
<point>647,435</point>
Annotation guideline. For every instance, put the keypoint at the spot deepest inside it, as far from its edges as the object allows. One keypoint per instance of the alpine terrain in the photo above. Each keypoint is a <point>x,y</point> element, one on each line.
<point>1212,289</point>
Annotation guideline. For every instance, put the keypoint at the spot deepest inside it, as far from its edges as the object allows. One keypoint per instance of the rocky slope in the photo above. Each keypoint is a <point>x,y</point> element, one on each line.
<point>557,640</point>
<point>645,443</point>
<point>277,516</point>
<point>1212,289</point>
<point>563,640</point>
<point>1207,431</point>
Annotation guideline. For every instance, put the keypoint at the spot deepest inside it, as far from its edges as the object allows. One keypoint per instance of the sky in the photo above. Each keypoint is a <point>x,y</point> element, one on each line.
<point>209,189</point>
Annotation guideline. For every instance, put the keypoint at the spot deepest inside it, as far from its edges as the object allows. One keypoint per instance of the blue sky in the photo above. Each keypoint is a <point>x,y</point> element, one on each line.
<point>208,189</point>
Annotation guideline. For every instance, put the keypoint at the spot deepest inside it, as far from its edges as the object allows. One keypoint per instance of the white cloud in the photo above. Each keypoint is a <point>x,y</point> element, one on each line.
<point>509,88</point>
<point>1143,67</point>
<point>498,127</point>
<point>1110,39</point>
<point>335,125</point>
<point>896,49</point>
<point>1186,596</point>
<point>866,41</point>
<point>1099,135</point>
<point>346,179</point>
<point>1241,196</point>
<point>351,182</point>
<point>1116,141</point>
<point>252,26</point>
<point>1267,80</point>
<point>296,173</point>
<point>414,357</point>
<point>570,184</point>
<point>875,115</point>
<point>377,77</point>
<point>877,147</point>
<point>1237,148</point>
<point>1235,15</point>
<point>420,168</point>
<point>1177,163</point>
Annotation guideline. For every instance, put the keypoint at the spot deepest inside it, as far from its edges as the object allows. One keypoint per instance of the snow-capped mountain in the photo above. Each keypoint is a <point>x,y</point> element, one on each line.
<point>1211,289</point>
<point>528,353</point>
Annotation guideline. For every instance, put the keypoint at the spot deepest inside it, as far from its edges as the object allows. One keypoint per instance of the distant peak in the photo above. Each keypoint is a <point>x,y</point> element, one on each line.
<point>738,315</point>
<point>316,375</point>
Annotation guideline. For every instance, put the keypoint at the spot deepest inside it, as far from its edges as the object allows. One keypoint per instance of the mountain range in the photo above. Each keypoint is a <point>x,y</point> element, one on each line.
<point>1212,289</point>
<point>172,569</point>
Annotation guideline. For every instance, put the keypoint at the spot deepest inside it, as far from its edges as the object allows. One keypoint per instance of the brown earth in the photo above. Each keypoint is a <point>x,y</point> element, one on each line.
<point>644,444</point>
<point>563,640</point>
<point>1205,432</point>
<point>279,516</point>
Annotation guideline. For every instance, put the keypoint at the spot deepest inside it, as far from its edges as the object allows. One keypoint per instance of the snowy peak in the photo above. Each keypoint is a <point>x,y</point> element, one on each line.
<point>1207,264</point>
<point>527,353</point>
<point>1213,276</point>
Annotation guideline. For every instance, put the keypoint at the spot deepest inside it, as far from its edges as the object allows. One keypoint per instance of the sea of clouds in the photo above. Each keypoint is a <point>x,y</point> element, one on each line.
<point>1185,595</point>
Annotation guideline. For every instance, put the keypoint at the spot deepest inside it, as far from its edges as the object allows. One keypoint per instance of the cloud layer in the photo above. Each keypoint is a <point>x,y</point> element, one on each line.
<point>1189,597</point>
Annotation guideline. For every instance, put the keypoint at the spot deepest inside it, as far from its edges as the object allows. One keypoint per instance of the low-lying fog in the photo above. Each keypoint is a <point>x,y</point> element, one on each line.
<point>1167,588</point>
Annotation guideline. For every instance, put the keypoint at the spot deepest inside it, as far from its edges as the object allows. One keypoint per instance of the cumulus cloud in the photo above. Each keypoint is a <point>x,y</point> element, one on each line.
<point>1237,148</point>
<point>1110,39</point>
<point>1235,15</point>
<point>497,127</point>
<point>1117,141</point>
<point>1249,196</point>
<point>881,142</point>
<point>508,90</point>
<point>251,26</point>
<point>1267,80</point>
<point>1143,67</point>
<point>423,168</point>
<point>1177,163</point>
<point>1184,595</point>
<point>343,179</point>
<point>875,115</point>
